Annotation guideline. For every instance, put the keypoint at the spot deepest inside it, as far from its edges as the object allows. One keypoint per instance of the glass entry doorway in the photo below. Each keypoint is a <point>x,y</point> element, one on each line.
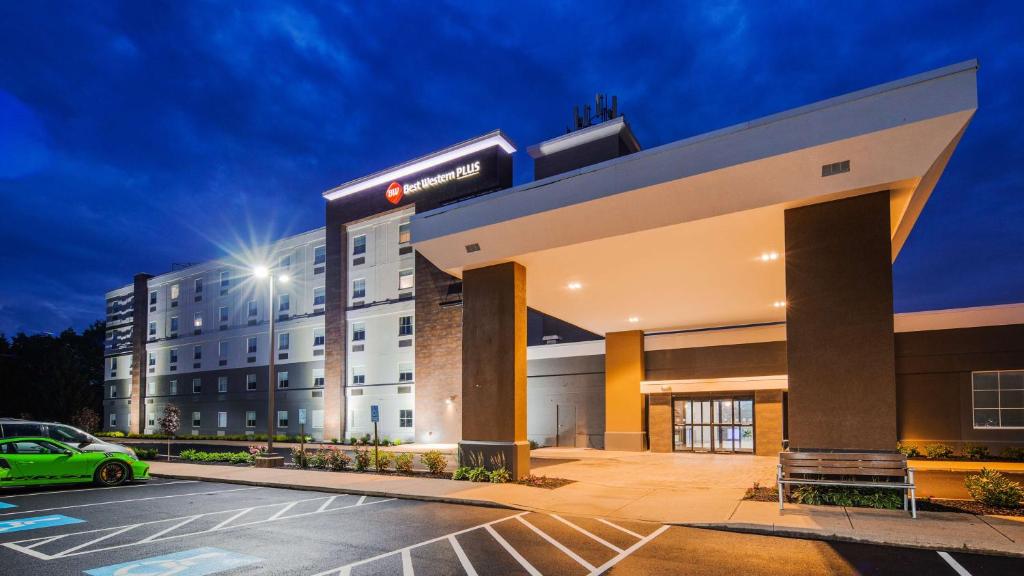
<point>713,424</point>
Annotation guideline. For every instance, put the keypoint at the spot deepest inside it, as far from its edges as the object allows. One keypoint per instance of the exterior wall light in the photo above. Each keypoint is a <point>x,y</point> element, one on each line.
<point>779,304</point>
<point>769,256</point>
<point>633,319</point>
<point>575,285</point>
<point>449,400</point>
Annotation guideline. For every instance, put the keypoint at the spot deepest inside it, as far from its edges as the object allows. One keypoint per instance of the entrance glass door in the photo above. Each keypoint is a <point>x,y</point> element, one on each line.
<point>713,424</point>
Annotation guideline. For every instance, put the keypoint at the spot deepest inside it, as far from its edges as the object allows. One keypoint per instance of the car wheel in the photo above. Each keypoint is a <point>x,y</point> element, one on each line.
<point>111,474</point>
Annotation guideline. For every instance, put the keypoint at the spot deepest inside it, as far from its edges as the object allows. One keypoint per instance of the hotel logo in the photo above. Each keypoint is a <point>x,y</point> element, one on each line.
<point>396,190</point>
<point>394,193</point>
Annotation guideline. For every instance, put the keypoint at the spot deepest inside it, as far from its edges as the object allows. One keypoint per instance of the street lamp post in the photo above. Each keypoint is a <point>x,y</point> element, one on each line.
<point>261,272</point>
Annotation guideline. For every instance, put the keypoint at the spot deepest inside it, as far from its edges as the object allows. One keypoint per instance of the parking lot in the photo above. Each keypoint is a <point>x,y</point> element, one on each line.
<point>191,528</point>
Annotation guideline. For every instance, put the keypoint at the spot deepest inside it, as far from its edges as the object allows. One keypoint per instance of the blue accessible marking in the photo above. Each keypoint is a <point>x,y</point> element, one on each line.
<point>6,505</point>
<point>195,562</point>
<point>36,522</point>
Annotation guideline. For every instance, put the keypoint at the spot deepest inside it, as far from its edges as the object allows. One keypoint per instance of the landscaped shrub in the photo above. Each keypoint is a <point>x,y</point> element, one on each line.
<point>362,459</point>
<point>976,451</point>
<point>846,496</point>
<point>908,451</point>
<point>230,457</point>
<point>1013,453</point>
<point>367,439</point>
<point>353,440</point>
<point>993,489</point>
<point>382,461</point>
<point>145,453</point>
<point>500,476</point>
<point>300,457</point>
<point>113,434</point>
<point>534,445</point>
<point>403,463</point>
<point>338,460</point>
<point>396,442</point>
<point>461,473</point>
<point>257,450</point>
<point>478,474</point>
<point>938,451</point>
<point>434,461</point>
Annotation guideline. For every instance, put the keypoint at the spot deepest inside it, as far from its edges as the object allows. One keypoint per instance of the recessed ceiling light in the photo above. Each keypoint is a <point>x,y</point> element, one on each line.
<point>633,319</point>
<point>575,285</point>
<point>769,256</point>
<point>779,304</point>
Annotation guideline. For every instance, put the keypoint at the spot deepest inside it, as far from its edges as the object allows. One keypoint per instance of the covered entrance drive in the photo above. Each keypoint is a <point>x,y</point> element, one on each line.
<point>717,424</point>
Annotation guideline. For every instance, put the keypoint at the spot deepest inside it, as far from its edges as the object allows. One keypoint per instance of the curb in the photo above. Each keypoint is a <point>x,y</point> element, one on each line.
<point>810,535</point>
<point>356,492</point>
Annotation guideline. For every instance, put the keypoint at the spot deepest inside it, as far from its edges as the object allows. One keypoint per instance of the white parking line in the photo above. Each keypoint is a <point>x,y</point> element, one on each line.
<point>587,533</point>
<point>327,503</point>
<point>461,554</point>
<point>617,527</point>
<point>954,564</point>
<point>407,563</point>
<point>515,553</point>
<point>76,491</point>
<point>101,538</point>
<point>129,500</point>
<point>20,547</point>
<point>235,517</point>
<point>557,544</point>
<point>172,528</point>
<point>625,553</point>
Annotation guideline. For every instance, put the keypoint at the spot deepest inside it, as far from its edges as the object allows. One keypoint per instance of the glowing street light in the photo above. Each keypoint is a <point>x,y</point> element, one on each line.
<point>264,272</point>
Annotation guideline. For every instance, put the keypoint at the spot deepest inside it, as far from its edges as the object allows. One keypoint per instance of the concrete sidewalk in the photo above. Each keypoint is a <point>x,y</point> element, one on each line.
<point>686,489</point>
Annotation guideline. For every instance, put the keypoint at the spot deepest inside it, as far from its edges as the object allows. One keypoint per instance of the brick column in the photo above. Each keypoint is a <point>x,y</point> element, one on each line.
<point>839,325</point>
<point>335,326</point>
<point>438,357</point>
<point>140,327</point>
<point>494,368</point>
<point>624,403</point>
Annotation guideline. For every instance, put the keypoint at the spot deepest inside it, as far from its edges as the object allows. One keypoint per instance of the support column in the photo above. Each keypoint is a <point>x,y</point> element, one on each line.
<point>140,328</point>
<point>767,422</point>
<point>624,403</point>
<point>494,369</point>
<point>659,417</point>
<point>839,325</point>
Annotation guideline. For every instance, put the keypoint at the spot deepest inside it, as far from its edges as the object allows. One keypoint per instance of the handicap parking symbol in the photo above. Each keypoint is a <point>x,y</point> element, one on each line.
<point>6,505</point>
<point>36,522</point>
<point>195,562</point>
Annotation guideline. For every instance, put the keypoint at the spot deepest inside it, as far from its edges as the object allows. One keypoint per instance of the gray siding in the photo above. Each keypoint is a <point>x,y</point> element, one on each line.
<point>576,381</point>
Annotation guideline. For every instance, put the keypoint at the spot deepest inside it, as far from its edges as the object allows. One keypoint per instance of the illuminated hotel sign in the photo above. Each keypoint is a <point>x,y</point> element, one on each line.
<point>396,190</point>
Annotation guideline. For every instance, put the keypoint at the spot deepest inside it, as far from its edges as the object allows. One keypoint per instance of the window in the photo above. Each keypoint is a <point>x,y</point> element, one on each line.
<point>319,255</point>
<point>405,326</point>
<point>318,377</point>
<point>150,387</point>
<point>196,419</point>
<point>318,337</point>
<point>197,385</point>
<point>282,418</point>
<point>152,358</point>
<point>403,233</point>
<point>317,417</point>
<point>222,349</point>
<point>175,289</point>
<point>172,387</point>
<point>113,419</point>
<point>251,345</point>
<point>225,279</point>
<point>405,389</point>
<point>359,245</point>
<point>199,285</point>
<point>174,325</point>
<point>222,384</point>
<point>405,418</point>
<point>998,399</point>
<point>283,341</point>
<point>283,303</point>
<point>113,392</point>
<point>152,298</point>
<point>405,372</point>
<point>152,328</point>
<point>197,320</point>
<point>253,309</point>
<point>319,296</point>
<point>222,419</point>
<point>197,352</point>
<point>250,382</point>
<point>358,375</point>
<point>359,288</point>
<point>150,418</point>
<point>358,332</point>
<point>173,356</point>
<point>405,279</point>
<point>286,261</point>
<point>222,312</point>
<point>250,419</point>
<point>113,367</point>
<point>282,379</point>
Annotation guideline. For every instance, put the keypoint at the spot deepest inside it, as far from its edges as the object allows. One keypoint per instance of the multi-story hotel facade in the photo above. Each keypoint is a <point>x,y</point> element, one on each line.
<point>729,292</point>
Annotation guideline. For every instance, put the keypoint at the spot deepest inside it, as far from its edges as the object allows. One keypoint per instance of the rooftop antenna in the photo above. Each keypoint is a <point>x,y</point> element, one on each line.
<point>602,112</point>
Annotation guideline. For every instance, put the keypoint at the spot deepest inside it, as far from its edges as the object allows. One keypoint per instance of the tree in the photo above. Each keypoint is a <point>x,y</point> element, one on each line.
<point>170,422</point>
<point>87,419</point>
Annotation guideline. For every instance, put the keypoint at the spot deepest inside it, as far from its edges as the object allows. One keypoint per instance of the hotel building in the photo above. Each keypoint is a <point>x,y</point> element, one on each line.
<point>729,292</point>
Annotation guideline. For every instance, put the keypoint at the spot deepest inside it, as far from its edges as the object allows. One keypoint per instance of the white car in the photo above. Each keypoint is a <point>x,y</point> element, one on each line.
<point>70,435</point>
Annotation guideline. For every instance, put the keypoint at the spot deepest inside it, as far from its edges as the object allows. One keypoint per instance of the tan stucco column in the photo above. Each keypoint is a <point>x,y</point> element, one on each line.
<point>494,369</point>
<point>624,405</point>
<point>767,422</point>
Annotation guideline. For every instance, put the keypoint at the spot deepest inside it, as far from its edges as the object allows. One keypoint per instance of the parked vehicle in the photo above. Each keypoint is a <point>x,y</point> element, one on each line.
<point>13,427</point>
<point>32,461</point>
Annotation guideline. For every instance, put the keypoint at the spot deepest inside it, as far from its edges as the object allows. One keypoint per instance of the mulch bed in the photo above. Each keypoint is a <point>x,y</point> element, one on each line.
<point>544,482</point>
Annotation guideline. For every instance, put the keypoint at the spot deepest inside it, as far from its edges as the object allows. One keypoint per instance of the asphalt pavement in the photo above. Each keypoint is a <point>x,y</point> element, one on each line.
<point>190,528</point>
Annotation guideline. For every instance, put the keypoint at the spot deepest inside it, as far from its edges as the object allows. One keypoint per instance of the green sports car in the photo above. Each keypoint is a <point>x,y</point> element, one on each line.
<point>31,461</point>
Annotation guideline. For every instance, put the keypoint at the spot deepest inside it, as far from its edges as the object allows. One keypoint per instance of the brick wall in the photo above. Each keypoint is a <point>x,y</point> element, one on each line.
<point>438,357</point>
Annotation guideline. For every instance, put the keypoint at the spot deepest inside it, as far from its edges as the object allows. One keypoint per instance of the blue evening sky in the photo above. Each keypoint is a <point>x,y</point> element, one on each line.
<point>137,134</point>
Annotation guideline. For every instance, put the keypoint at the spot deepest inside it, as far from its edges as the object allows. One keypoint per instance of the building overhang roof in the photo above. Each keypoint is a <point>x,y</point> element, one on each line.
<point>671,236</point>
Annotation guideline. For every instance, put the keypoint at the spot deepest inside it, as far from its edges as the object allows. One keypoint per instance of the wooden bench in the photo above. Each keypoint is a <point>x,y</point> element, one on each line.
<point>853,469</point>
